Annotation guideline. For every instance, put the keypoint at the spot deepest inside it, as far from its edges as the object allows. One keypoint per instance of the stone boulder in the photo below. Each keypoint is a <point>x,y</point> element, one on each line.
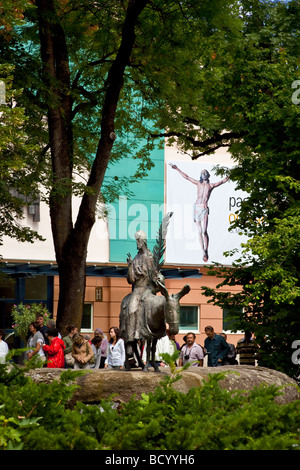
<point>101,384</point>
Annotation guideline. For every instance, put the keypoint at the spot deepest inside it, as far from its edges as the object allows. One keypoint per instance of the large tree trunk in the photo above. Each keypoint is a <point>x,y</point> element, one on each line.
<point>71,285</point>
<point>70,241</point>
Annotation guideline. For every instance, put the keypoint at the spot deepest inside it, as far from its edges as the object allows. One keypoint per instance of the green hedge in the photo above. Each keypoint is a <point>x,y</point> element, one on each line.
<point>37,417</point>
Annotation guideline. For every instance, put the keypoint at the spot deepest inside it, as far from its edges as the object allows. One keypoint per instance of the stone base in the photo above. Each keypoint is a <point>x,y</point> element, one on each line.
<point>100,384</point>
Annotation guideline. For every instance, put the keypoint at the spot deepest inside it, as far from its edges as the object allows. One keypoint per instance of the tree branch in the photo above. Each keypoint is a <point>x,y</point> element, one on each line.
<point>218,140</point>
<point>56,73</point>
<point>113,86</point>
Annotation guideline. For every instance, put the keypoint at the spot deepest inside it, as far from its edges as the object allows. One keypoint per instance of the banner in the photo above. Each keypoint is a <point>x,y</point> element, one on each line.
<point>203,205</point>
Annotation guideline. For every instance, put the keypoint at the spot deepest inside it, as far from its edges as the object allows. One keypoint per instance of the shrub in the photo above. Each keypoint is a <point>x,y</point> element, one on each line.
<point>206,418</point>
<point>38,417</point>
<point>23,315</point>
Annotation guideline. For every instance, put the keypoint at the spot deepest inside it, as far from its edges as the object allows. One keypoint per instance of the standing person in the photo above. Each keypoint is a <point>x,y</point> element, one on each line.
<point>104,346</point>
<point>82,352</point>
<point>116,350</point>
<point>173,338</point>
<point>55,350</point>
<point>184,343</point>
<point>247,349</point>
<point>230,359</point>
<point>43,328</point>
<point>215,346</point>
<point>191,352</point>
<point>201,209</point>
<point>51,325</point>
<point>3,348</point>
<point>36,342</point>
<point>88,338</point>
<point>96,347</point>
<point>69,359</point>
<point>164,345</point>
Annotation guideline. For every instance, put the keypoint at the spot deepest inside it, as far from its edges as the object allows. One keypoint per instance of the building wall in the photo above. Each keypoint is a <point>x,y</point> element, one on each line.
<point>106,313</point>
<point>98,248</point>
<point>143,209</point>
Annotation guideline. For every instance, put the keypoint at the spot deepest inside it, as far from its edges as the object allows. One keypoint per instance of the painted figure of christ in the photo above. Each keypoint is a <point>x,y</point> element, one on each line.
<point>201,209</point>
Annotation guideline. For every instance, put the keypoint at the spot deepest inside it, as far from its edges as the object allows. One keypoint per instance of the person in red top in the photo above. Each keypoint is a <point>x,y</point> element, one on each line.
<point>55,350</point>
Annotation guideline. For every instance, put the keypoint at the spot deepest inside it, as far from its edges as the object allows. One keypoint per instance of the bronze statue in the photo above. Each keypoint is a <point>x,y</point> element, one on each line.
<point>143,314</point>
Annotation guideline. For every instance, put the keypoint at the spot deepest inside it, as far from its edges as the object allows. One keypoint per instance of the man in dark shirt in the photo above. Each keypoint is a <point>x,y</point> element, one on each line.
<point>247,349</point>
<point>230,359</point>
<point>43,328</point>
<point>215,346</point>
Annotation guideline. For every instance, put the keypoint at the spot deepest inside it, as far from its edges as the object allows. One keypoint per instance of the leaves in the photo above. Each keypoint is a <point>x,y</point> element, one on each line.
<point>38,416</point>
<point>18,186</point>
<point>159,247</point>
<point>23,315</point>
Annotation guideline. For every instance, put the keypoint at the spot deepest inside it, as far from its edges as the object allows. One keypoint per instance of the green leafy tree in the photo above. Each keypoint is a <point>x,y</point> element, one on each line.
<point>244,97</point>
<point>17,173</point>
<point>268,169</point>
<point>88,68</point>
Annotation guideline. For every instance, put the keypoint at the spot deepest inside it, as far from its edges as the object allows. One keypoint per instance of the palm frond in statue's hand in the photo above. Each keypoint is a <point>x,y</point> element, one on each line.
<point>159,248</point>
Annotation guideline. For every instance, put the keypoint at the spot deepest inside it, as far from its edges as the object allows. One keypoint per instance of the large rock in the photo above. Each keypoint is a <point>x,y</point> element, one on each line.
<point>100,384</point>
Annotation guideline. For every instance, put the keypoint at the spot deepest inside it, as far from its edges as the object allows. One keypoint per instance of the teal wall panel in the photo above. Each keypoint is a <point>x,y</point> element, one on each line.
<point>144,210</point>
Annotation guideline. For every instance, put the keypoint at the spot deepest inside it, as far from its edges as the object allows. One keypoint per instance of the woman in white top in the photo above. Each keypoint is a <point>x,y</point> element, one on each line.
<point>116,350</point>
<point>36,342</point>
<point>3,348</point>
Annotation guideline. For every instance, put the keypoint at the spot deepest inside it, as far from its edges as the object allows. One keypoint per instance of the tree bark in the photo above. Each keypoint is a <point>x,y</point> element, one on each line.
<point>71,241</point>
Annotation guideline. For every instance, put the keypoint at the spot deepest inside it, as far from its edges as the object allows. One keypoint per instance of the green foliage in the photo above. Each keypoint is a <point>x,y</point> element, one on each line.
<point>34,416</point>
<point>24,315</point>
<point>246,93</point>
<point>17,163</point>
<point>167,40</point>
<point>38,417</point>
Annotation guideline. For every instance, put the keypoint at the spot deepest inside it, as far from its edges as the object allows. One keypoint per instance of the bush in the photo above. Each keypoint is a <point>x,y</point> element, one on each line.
<point>206,418</point>
<point>24,315</point>
<point>38,417</point>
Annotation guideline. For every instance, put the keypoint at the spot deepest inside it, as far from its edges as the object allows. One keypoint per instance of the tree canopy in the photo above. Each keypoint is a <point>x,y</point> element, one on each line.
<point>91,74</point>
<point>17,183</point>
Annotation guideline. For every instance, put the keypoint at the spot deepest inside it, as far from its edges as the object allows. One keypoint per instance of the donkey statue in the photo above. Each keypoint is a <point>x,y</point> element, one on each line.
<point>156,311</point>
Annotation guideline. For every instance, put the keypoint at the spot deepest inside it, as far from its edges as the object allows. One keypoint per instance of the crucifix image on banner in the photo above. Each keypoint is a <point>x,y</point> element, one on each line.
<point>204,206</point>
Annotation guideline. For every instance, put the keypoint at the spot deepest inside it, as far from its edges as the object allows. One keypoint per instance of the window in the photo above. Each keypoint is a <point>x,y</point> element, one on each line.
<point>7,288</point>
<point>36,288</point>
<point>189,318</point>
<point>6,320</point>
<point>87,318</point>
<point>228,322</point>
